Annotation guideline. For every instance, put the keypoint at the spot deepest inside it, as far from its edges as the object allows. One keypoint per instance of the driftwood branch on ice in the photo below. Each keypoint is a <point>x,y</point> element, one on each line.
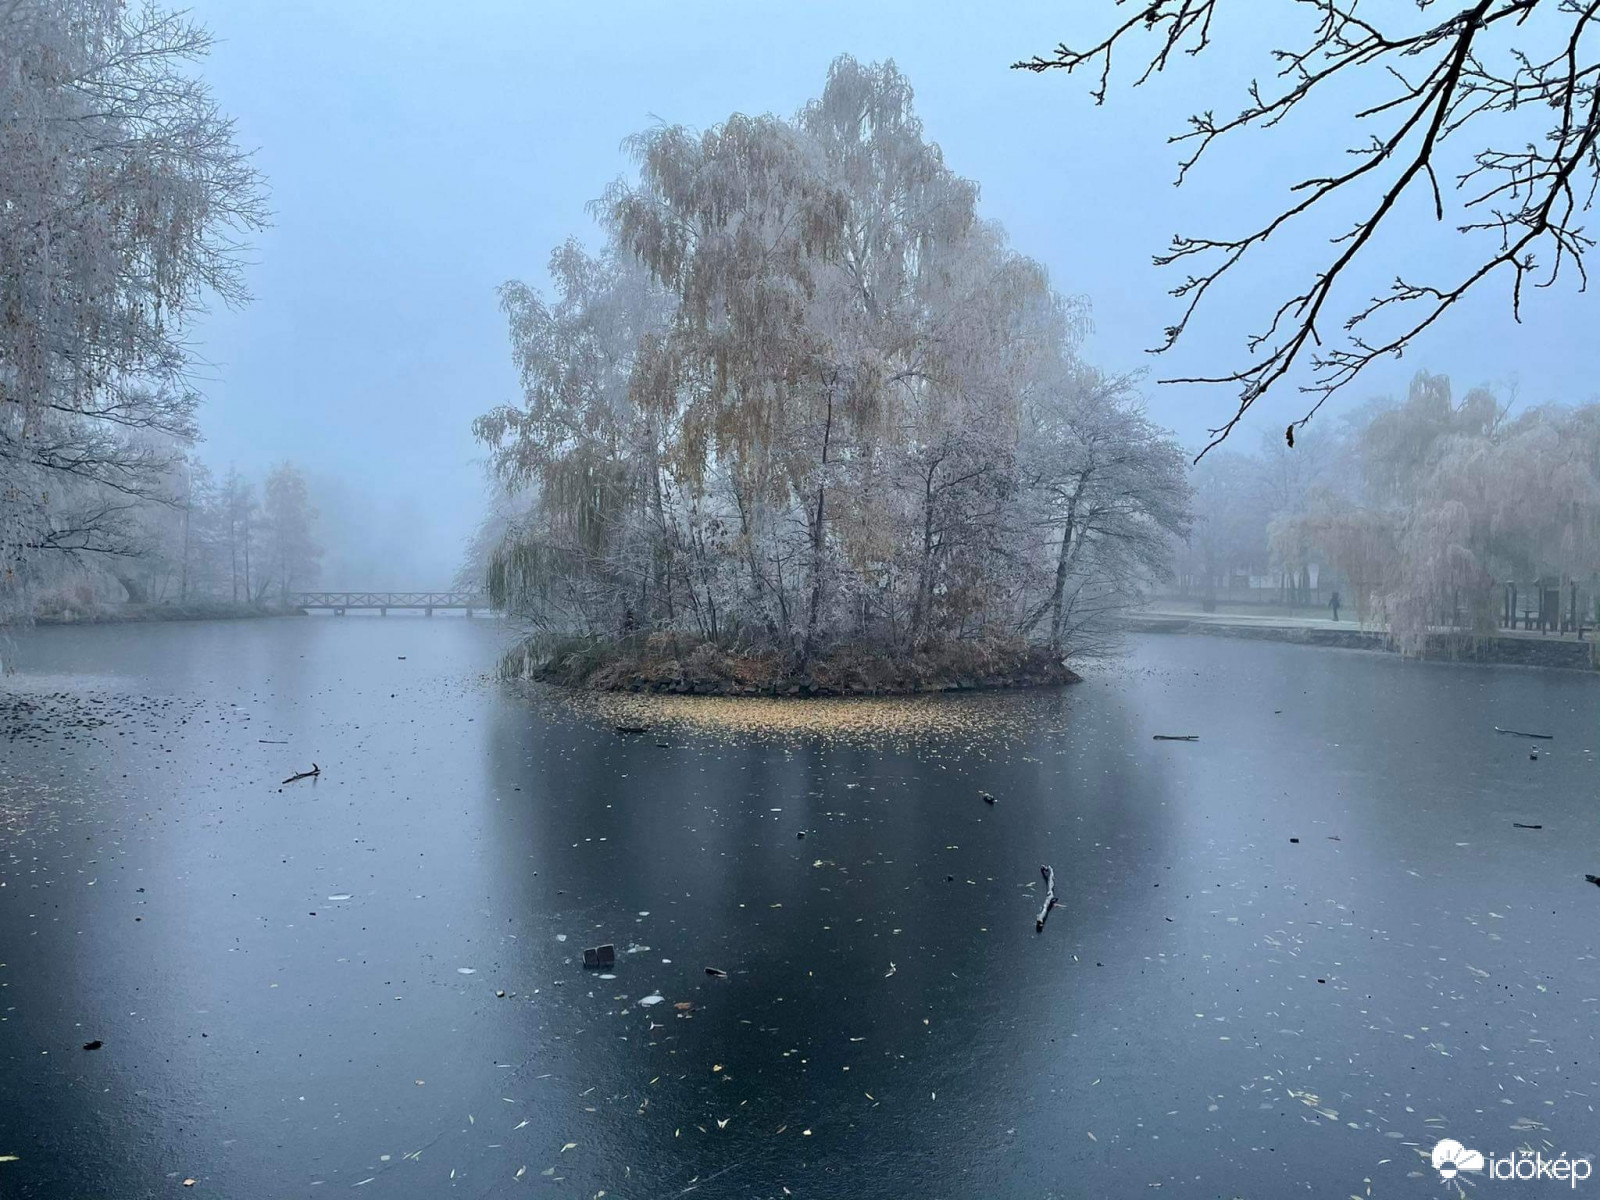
<point>311,774</point>
<point>1049,874</point>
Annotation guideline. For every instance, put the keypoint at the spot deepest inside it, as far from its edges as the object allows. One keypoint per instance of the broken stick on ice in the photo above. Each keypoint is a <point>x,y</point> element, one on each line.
<point>1049,874</point>
<point>311,774</point>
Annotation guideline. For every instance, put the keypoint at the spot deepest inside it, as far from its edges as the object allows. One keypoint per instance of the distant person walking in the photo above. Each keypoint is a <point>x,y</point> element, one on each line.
<point>1333,603</point>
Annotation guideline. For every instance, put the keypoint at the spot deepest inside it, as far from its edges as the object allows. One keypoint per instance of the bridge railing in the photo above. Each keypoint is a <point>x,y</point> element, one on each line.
<point>342,601</point>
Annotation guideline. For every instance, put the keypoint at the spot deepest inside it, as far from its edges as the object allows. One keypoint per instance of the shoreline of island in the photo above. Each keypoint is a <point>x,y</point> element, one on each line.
<point>663,664</point>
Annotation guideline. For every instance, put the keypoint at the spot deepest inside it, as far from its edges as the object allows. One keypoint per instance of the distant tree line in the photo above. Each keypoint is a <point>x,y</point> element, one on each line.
<point>803,395</point>
<point>1422,510</point>
<point>199,540</point>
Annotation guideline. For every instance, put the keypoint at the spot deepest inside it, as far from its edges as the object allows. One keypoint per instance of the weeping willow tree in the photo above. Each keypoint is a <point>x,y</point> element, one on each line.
<point>804,395</point>
<point>1451,500</point>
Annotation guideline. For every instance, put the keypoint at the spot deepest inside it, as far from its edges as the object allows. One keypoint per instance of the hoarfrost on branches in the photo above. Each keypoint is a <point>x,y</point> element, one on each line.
<point>122,201</point>
<point>804,395</point>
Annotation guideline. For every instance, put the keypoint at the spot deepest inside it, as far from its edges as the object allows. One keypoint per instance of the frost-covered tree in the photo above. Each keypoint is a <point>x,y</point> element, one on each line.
<point>800,397</point>
<point>293,557</point>
<point>238,504</point>
<point>1230,522</point>
<point>122,199</point>
<point>1111,492</point>
<point>1441,503</point>
<point>582,454</point>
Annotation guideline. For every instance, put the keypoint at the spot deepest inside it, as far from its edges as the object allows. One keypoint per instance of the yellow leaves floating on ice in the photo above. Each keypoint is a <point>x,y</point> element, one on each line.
<point>1004,715</point>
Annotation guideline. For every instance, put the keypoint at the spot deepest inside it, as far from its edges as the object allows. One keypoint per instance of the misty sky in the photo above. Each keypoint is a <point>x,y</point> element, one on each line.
<point>420,155</point>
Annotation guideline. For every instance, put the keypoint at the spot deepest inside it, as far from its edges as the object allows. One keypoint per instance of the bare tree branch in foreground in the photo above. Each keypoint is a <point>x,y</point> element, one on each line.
<point>1451,73</point>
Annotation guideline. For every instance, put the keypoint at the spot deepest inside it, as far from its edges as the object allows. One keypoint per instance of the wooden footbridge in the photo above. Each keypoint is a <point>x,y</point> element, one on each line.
<point>342,602</point>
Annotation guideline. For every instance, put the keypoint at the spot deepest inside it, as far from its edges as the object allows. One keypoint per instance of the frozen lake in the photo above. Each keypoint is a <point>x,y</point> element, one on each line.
<point>1289,957</point>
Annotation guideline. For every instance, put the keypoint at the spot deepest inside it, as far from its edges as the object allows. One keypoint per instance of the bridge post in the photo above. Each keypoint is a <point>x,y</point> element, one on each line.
<point>469,613</point>
<point>383,611</point>
<point>428,611</point>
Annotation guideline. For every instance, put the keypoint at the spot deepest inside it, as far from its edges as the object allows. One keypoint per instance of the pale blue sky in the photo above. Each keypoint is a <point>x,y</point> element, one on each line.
<point>419,155</point>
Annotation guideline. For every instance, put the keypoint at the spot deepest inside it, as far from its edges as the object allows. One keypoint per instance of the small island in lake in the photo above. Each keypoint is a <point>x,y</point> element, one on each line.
<point>803,401</point>
<point>665,663</point>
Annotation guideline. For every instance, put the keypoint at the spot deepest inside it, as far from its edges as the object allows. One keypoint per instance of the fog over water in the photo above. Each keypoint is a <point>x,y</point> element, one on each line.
<point>419,157</point>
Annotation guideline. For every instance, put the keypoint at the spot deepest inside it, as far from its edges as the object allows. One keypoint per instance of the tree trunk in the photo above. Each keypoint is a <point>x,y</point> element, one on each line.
<point>663,555</point>
<point>1059,592</point>
<point>1069,549</point>
<point>188,510</point>
<point>758,586</point>
<point>923,601</point>
<point>817,538</point>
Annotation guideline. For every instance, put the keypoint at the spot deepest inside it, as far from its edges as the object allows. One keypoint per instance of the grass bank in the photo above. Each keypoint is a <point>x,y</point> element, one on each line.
<point>661,663</point>
<point>1567,653</point>
<point>199,610</point>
